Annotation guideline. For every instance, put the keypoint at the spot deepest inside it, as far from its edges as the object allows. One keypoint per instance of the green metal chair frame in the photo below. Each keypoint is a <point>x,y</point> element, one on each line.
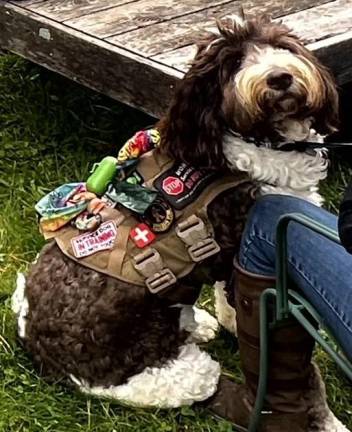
<point>288,303</point>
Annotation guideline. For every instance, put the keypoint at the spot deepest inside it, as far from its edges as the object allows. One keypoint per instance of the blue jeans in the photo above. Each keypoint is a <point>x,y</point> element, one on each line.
<point>321,269</point>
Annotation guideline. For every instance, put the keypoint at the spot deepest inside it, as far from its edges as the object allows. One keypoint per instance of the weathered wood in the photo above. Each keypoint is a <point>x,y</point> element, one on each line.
<point>333,52</point>
<point>168,35</point>
<point>138,14</point>
<point>182,31</point>
<point>179,58</point>
<point>61,10</point>
<point>311,24</point>
<point>322,21</point>
<point>279,8</point>
<point>154,28</point>
<point>122,75</point>
<point>26,3</point>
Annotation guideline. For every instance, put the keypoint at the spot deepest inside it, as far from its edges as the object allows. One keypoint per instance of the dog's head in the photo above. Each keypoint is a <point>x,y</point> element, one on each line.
<point>255,78</point>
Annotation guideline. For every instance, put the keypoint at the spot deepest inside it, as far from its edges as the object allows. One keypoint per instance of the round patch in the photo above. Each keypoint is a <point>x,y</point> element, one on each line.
<point>159,216</point>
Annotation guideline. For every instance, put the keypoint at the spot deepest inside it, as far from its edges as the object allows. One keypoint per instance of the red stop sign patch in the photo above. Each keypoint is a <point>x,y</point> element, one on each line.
<point>173,186</point>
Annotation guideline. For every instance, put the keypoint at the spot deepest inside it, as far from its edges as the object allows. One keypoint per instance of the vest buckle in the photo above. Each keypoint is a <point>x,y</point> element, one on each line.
<point>192,230</point>
<point>195,235</point>
<point>150,265</point>
<point>160,281</point>
<point>203,249</point>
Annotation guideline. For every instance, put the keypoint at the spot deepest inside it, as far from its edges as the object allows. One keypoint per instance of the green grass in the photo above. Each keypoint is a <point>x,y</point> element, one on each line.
<point>51,130</point>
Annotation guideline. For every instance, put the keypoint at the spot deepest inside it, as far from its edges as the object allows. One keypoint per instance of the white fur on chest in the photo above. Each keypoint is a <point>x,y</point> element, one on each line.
<point>278,172</point>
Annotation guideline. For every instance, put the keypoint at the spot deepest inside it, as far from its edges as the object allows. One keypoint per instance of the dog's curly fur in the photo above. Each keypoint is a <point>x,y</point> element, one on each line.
<point>84,323</point>
<point>104,331</point>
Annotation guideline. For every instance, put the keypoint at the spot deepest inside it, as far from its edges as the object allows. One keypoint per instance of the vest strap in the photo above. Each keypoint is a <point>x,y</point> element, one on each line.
<point>203,250</point>
<point>150,265</point>
<point>200,241</point>
<point>160,281</point>
<point>192,230</point>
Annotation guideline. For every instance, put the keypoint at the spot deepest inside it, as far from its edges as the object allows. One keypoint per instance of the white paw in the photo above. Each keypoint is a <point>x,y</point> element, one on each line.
<point>206,326</point>
<point>199,323</point>
<point>225,314</point>
<point>19,305</point>
<point>18,295</point>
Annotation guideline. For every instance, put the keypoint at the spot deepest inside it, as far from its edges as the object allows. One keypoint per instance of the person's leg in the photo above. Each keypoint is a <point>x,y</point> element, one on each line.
<point>319,267</point>
<point>292,395</point>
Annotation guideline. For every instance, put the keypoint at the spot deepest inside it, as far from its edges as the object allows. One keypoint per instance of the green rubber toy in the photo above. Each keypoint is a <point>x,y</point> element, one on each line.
<point>102,174</point>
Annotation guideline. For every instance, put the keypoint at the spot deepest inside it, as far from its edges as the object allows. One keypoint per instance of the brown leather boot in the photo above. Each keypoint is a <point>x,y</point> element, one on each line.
<point>285,408</point>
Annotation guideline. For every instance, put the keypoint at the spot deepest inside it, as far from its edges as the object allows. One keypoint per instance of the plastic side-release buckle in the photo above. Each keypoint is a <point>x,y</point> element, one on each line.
<point>150,265</point>
<point>194,233</point>
<point>160,281</point>
<point>203,249</point>
<point>192,230</point>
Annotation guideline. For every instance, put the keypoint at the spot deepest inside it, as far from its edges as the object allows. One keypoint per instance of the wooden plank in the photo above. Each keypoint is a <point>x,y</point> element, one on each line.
<point>26,3</point>
<point>168,35</point>
<point>179,58</point>
<point>322,21</point>
<point>129,78</point>
<point>312,19</point>
<point>61,10</point>
<point>182,31</point>
<point>138,14</point>
<point>278,8</point>
<point>331,51</point>
<point>145,84</point>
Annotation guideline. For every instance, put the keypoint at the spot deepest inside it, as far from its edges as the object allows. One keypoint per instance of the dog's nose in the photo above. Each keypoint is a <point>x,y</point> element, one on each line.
<point>279,80</point>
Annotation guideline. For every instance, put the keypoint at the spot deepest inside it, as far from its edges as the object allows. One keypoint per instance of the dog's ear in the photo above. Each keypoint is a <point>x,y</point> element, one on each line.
<point>327,116</point>
<point>193,128</point>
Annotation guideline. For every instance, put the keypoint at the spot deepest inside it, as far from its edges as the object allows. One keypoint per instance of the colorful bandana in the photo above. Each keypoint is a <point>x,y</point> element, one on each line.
<point>57,208</point>
<point>140,143</point>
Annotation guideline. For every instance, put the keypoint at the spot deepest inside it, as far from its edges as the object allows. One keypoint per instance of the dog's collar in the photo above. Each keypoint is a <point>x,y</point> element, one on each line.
<point>301,146</point>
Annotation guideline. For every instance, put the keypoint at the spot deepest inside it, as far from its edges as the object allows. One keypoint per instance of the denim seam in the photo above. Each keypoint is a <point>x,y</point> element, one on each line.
<point>322,295</point>
<point>249,241</point>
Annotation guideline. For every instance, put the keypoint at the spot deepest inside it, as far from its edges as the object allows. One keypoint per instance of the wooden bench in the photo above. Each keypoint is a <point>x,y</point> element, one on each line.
<point>136,50</point>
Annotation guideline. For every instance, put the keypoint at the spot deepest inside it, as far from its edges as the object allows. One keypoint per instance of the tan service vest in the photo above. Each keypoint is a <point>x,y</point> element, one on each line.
<point>173,254</point>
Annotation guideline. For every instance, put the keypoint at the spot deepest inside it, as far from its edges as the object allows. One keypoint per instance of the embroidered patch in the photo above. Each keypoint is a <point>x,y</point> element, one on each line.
<point>101,239</point>
<point>142,236</point>
<point>173,186</point>
<point>182,184</point>
<point>159,215</point>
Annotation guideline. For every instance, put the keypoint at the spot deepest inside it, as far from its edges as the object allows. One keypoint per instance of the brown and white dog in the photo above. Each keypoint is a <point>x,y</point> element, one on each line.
<point>252,81</point>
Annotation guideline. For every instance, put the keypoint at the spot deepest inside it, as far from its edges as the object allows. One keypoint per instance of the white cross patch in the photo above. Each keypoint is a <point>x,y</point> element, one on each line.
<point>142,235</point>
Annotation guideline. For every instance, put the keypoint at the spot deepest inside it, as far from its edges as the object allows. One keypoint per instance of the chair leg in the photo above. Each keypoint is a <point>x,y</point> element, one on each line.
<point>263,369</point>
